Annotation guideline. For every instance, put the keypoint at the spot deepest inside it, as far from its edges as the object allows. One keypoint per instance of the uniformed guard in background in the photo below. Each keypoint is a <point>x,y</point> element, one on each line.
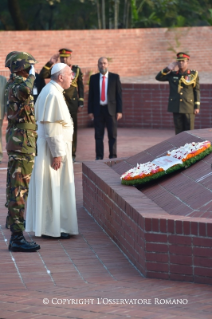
<point>38,86</point>
<point>184,96</point>
<point>74,96</point>
<point>20,144</point>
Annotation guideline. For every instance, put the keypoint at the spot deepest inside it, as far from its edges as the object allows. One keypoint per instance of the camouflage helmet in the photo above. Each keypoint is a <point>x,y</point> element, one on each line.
<point>21,61</point>
<point>8,58</point>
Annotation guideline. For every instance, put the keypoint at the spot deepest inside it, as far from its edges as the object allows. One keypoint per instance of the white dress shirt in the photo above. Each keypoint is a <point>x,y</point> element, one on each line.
<point>100,86</point>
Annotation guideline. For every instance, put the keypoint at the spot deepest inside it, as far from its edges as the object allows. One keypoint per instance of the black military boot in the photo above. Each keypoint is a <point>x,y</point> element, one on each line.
<point>19,243</point>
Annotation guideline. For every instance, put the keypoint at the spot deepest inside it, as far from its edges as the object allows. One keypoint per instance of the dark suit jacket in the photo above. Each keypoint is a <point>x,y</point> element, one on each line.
<point>114,94</point>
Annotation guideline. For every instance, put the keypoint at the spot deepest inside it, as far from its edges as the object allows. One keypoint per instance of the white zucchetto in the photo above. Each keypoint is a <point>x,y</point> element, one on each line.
<point>58,67</point>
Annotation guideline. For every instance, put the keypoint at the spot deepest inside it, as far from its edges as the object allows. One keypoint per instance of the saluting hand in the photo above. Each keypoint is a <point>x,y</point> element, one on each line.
<point>54,58</point>
<point>172,65</point>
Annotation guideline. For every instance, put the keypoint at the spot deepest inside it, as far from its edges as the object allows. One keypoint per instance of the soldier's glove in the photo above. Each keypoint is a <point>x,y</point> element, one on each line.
<point>32,70</point>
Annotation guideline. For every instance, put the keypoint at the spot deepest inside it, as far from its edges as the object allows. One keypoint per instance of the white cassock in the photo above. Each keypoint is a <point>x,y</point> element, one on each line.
<point>51,204</point>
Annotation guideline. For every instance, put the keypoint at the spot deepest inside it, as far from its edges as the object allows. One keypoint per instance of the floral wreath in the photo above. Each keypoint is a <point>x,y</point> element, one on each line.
<point>174,160</point>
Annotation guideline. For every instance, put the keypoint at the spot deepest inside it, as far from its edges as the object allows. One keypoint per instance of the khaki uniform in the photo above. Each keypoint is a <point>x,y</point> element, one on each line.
<point>74,96</point>
<point>184,97</point>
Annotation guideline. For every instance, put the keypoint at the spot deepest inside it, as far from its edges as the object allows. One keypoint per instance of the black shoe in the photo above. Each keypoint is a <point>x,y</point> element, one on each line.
<point>19,243</point>
<point>65,236</point>
<point>99,158</point>
<point>49,237</point>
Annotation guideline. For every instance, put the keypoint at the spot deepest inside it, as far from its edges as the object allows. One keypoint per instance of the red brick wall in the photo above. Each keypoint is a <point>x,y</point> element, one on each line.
<point>145,106</point>
<point>133,51</point>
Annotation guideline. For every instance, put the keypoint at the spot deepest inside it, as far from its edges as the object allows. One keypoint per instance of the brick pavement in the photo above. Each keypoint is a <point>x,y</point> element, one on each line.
<point>90,267</point>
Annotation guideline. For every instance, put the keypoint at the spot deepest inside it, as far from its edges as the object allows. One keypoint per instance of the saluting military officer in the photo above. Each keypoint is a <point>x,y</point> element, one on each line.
<point>74,96</point>
<point>184,96</point>
<point>21,145</point>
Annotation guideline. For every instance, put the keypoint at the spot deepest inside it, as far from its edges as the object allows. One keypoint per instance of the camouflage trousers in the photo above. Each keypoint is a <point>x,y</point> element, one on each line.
<point>18,177</point>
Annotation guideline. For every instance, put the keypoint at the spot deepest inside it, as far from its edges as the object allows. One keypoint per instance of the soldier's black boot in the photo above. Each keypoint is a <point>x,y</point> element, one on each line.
<point>19,243</point>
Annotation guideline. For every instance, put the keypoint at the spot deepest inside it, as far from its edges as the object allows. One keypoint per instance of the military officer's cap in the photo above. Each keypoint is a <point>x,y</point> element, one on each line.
<point>64,53</point>
<point>21,61</point>
<point>8,58</point>
<point>182,56</point>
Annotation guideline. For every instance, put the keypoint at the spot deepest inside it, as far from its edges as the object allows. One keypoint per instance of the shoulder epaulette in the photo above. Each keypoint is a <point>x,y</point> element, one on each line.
<point>47,67</point>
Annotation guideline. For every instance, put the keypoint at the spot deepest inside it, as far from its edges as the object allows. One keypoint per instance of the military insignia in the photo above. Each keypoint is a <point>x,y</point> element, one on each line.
<point>181,55</point>
<point>63,51</point>
<point>188,78</point>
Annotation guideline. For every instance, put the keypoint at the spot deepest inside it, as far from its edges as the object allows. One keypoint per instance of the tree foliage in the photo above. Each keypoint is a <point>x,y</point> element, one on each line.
<point>97,14</point>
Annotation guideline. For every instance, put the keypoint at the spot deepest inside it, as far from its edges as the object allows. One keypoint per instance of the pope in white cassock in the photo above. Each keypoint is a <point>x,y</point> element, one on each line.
<point>51,204</point>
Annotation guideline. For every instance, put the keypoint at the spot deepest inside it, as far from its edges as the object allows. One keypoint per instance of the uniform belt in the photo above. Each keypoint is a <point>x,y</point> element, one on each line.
<point>26,126</point>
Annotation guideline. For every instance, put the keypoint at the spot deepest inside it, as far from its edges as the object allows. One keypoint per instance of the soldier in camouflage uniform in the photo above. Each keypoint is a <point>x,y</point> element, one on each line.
<point>184,96</point>
<point>7,65</point>
<point>74,96</point>
<point>21,145</point>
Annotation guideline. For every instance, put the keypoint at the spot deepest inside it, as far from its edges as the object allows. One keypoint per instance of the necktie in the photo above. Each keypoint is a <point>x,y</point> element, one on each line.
<point>103,89</point>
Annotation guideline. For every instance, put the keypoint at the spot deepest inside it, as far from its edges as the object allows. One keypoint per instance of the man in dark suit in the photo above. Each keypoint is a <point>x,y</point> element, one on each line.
<point>184,96</point>
<point>105,107</point>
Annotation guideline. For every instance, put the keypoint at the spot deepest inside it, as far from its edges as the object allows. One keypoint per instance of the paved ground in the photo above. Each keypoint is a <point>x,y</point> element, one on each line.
<point>87,276</point>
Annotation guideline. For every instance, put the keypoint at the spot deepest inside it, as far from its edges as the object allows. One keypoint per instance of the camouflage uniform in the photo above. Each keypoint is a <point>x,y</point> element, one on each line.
<point>21,142</point>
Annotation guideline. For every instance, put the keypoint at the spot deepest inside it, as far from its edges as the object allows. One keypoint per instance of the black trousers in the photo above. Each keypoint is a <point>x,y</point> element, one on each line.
<point>74,142</point>
<point>183,122</point>
<point>110,121</point>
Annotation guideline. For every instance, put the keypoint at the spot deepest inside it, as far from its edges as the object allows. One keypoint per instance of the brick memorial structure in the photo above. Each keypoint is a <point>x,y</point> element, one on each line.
<point>165,227</point>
